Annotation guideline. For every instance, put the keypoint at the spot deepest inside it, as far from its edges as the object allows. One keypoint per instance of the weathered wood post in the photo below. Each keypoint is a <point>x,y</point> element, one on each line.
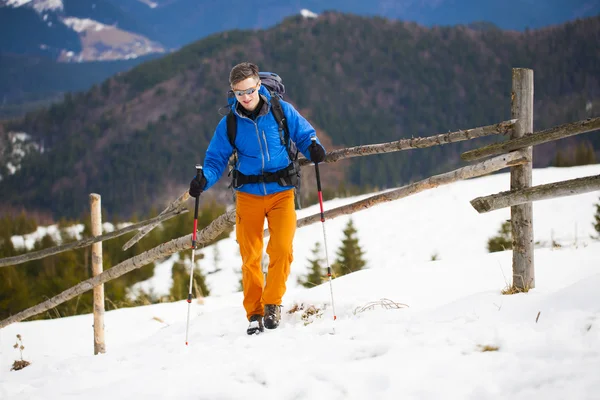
<point>521,215</point>
<point>99,346</point>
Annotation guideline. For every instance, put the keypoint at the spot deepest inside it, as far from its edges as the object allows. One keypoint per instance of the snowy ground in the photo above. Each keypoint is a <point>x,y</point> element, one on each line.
<point>547,341</point>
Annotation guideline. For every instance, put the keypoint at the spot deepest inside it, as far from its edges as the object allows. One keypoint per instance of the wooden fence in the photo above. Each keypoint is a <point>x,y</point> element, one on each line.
<point>515,153</point>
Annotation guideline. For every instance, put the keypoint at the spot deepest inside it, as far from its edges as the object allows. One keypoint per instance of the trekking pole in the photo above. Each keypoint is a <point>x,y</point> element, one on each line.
<point>324,234</point>
<point>189,299</point>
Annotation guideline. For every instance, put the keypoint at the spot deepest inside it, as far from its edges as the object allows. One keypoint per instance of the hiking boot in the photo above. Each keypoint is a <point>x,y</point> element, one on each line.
<point>272,316</point>
<point>256,325</point>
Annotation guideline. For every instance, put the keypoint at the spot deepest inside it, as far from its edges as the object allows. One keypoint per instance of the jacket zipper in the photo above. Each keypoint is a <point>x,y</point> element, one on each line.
<point>262,155</point>
<point>266,146</point>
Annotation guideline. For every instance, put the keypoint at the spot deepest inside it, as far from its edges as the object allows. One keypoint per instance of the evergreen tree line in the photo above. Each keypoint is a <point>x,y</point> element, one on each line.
<point>349,258</point>
<point>581,154</point>
<point>25,285</point>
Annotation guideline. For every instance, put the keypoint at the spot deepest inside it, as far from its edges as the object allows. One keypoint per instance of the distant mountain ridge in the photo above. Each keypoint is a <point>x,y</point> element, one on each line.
<point>168,24</point>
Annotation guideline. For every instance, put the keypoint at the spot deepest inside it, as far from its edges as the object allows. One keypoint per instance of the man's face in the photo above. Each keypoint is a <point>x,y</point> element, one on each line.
<point>242,91</point>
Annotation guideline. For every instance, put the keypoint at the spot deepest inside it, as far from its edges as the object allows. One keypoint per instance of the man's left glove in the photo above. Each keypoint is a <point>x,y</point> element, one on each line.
<point>197,185</point>
<point>317,152</point>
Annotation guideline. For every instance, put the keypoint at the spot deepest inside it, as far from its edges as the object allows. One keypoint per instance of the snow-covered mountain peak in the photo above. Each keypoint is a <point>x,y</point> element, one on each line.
<point>83,24</point>
<point>38,5</point>
<point>308,14</point>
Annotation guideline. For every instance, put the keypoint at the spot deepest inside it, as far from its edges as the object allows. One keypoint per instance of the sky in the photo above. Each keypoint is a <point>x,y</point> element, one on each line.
<point>407,327</point>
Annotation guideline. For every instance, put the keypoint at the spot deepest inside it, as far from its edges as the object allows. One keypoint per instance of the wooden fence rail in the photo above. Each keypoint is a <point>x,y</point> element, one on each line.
<point>548,135</point>
<point>542,192</point>
<point>36,255</point>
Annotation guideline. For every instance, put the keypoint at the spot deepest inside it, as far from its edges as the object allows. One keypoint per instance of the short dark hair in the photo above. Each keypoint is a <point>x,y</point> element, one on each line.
<point>243,71</point>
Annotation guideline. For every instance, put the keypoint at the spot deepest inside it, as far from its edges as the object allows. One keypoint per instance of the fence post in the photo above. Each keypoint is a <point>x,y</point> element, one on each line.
<point>99,346</point>
<point>521,216</point>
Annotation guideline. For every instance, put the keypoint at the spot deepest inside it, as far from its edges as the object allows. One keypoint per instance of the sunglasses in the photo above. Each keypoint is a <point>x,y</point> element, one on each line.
<point>240,93</point>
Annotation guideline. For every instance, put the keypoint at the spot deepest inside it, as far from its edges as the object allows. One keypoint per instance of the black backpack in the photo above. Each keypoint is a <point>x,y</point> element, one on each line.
<point>287,176</point>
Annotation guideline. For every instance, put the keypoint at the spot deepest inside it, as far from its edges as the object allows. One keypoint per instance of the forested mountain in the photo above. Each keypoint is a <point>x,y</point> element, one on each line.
<point>26,81</point>
<point>135,138</point>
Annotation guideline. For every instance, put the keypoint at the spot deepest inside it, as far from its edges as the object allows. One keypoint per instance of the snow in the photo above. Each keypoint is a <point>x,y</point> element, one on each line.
<point>17,3</point>
<point>39,5</point>
<point>162,280</point>
<point>21,145</point>
<point>83,24</point>
<point>44,5</point>
<point>308,14</point>
<point>149,3</point>
<point>547,341</point>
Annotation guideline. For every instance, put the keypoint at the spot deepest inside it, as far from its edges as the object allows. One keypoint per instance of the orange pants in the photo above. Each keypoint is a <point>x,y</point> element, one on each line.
<point>251,211</point>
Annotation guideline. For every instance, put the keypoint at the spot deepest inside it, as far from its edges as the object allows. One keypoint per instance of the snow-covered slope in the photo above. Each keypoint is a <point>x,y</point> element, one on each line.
<point>459,338</point>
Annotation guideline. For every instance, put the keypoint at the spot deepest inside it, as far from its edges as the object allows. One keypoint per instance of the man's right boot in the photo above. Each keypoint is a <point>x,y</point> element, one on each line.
<point>272,316</point>
<point>256,325</point>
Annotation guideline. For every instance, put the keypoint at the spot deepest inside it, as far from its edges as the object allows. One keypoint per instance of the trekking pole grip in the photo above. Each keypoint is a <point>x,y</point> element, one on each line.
<point>314,141</point>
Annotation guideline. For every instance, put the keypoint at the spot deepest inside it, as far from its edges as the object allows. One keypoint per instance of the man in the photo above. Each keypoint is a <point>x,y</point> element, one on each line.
<point>261,156</point>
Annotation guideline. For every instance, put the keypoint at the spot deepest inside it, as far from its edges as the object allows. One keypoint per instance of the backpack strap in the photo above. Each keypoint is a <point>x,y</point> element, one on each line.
<point>231,134</point>
<point>231,128</point>
<point>283,126</point>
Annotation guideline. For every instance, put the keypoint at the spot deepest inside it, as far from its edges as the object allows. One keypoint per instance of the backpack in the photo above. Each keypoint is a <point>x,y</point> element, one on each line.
<point>287,176</point>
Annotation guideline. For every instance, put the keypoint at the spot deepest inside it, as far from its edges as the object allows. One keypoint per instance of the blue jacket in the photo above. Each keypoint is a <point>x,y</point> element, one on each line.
<point>259,147</point>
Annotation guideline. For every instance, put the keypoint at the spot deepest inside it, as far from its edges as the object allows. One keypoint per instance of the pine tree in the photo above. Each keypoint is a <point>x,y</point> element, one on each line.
<point>317,272</point>
<point>349,255</point>
<point>597,218</point>
<point>181,282</point>
<point>502,241</point>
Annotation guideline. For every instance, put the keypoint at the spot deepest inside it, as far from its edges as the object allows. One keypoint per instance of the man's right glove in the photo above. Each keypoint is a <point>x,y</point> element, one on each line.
<point>197,185</point>
<point>317,152</point>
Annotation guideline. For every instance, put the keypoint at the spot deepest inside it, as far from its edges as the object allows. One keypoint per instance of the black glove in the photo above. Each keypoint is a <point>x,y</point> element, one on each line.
<point>317,153</point>
<point>197,185</point>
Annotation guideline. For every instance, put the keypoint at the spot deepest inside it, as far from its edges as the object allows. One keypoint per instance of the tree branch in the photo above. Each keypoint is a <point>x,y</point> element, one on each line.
<point>175,205</point>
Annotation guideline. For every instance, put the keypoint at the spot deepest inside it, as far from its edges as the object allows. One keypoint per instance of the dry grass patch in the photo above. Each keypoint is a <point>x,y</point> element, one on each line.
<point>512,289</point>
<point>309,312</point>
<point>487,347</point>
<point>383,303</point>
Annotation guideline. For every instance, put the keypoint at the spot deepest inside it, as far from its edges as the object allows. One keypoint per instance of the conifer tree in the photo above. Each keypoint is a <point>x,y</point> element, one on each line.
<point>503,240</point>
<point>597,218</point>
<point>181,282</point>
<point>349,255</point>
<point>316,274</point>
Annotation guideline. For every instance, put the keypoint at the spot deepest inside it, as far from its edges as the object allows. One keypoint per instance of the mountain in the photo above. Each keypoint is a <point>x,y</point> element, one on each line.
<point>28,82</point>
<point>72,30</point>
<point>178,22</point>
<point>135,138</point>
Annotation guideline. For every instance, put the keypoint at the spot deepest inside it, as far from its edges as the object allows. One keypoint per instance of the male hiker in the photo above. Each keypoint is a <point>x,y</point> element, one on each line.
<point>264,178</point>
